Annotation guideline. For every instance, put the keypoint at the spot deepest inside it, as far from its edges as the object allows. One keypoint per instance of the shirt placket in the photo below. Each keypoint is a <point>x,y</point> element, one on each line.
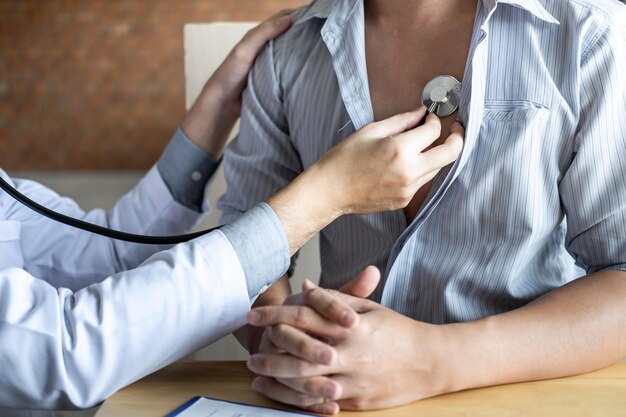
<point>471,112</point>
<point>344,34</point>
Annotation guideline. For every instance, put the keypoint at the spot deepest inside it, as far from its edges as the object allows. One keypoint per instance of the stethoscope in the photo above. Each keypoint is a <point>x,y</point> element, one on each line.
<point>440,96</point>
<point>94,228</point>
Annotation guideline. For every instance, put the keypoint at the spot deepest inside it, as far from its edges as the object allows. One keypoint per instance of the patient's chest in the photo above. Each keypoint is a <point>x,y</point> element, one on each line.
<point>399,66</point>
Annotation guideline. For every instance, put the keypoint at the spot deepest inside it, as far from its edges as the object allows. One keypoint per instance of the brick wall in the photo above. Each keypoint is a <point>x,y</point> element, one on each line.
<point>98,84</point>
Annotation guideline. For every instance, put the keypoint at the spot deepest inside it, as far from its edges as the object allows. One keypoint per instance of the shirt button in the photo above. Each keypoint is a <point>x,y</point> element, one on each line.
<point>196,176</point>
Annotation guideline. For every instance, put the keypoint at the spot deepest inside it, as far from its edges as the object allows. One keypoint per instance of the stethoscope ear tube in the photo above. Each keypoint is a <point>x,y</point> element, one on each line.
<point>96,229</point>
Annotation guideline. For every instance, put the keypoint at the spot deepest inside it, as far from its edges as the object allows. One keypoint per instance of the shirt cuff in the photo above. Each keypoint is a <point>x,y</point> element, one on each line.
<point>261,244</point>
<point>186,169</point>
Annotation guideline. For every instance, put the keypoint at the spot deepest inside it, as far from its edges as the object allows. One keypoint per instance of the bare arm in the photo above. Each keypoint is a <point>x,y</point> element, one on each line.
<point>574,329</point>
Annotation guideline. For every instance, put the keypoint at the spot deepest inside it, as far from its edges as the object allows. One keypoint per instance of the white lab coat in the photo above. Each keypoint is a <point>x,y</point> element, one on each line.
<point>77,323</point>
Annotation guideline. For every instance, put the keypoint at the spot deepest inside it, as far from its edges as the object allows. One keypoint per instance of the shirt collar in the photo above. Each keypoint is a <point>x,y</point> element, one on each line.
<point>322,9</point>
<point>319,9</point>
<point>534,7</point>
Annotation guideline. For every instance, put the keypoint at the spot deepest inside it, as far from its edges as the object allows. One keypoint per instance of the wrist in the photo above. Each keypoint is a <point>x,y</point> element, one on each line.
<point>469,358</point>
<point>433,358</point>
<point>304,207</point>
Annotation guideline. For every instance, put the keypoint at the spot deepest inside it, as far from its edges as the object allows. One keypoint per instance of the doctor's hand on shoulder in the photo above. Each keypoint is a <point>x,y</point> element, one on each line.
<point>217,108</point>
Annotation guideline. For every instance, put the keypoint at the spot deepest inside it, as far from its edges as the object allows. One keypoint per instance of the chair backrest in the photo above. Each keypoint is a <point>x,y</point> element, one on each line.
<point>206,46</point>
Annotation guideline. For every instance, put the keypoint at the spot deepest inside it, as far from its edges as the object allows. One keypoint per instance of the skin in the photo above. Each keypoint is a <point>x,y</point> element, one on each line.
<point>574,329</point>
<point>394,27</point>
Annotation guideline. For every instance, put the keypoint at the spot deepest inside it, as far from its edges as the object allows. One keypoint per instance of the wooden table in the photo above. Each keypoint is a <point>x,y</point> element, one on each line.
<point>600,393</point>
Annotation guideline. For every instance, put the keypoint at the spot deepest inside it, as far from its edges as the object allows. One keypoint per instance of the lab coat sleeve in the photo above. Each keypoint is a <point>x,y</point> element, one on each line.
<point>64,349</point>
<point>71,258</point>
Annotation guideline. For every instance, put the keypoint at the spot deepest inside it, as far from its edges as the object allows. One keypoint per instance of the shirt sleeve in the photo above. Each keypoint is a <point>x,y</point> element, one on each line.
<point>72,258</point>
<point>261,160</point>
<point>61,349</point>
<point>261,245</point>
<point>593,190</point>
<point>186,169</point>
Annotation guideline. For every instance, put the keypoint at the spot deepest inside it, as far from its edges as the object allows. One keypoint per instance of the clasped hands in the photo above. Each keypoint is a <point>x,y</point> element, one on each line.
<point>323,350</point>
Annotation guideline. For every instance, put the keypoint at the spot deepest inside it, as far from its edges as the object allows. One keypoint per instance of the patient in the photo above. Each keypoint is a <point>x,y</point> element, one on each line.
<point>479,273</point>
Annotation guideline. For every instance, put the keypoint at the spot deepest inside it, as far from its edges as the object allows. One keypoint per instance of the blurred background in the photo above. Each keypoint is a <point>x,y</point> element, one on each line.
<point>98,84</point>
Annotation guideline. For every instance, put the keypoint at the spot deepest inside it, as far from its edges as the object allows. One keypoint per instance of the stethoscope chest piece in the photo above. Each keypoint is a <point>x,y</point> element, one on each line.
<point>441,95</point>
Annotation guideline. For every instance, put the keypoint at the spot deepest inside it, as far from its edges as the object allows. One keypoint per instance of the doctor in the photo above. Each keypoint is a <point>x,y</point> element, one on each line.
<point>81,316</point>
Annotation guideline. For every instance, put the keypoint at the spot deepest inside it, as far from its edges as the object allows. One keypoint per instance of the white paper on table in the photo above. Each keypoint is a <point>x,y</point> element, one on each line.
<point>208,407</point>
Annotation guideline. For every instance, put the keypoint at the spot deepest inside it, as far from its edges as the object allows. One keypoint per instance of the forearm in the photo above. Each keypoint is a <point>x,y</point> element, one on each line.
<point>303,209</point>
<point>94,341</point>
<point>209,122</point>
<point>577,328</point>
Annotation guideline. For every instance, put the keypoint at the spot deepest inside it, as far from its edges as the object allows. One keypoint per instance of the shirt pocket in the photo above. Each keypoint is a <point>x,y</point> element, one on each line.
<point>10,246</point>
<point>513,171</point>
<point>511,127</point>
<point>514,111</point>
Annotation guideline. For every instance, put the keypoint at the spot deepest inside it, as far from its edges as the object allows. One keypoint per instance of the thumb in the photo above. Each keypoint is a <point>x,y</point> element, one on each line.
<point>364,284</point>
<point>308,285</point>
<point>397,124</point>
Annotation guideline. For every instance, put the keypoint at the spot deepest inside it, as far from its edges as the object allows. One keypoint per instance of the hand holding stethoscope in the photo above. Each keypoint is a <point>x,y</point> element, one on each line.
<point>441,96</point>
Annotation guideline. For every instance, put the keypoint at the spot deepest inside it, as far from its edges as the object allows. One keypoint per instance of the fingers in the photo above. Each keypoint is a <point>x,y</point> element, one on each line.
<point>446,153</point>
<point>285,366</point>
<point>301,345</point>
<point>328,306</point>
<point>397,124</point>
<point>254,40</point>
<point>317,386</point>
<point>364,284</point>
<point>423,136</point>
<point>308,285</point>
<point>266,346</point>
<point>300,317</point>
<point>318,301</point>
<point>282,393</point>
<point>425,179</point>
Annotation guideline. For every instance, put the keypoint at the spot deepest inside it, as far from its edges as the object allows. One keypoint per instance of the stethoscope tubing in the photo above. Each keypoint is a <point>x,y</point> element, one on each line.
<point>96,229</point>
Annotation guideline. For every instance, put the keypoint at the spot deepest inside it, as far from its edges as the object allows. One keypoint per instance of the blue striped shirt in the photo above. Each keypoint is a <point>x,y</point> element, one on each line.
<point>538,195</point>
